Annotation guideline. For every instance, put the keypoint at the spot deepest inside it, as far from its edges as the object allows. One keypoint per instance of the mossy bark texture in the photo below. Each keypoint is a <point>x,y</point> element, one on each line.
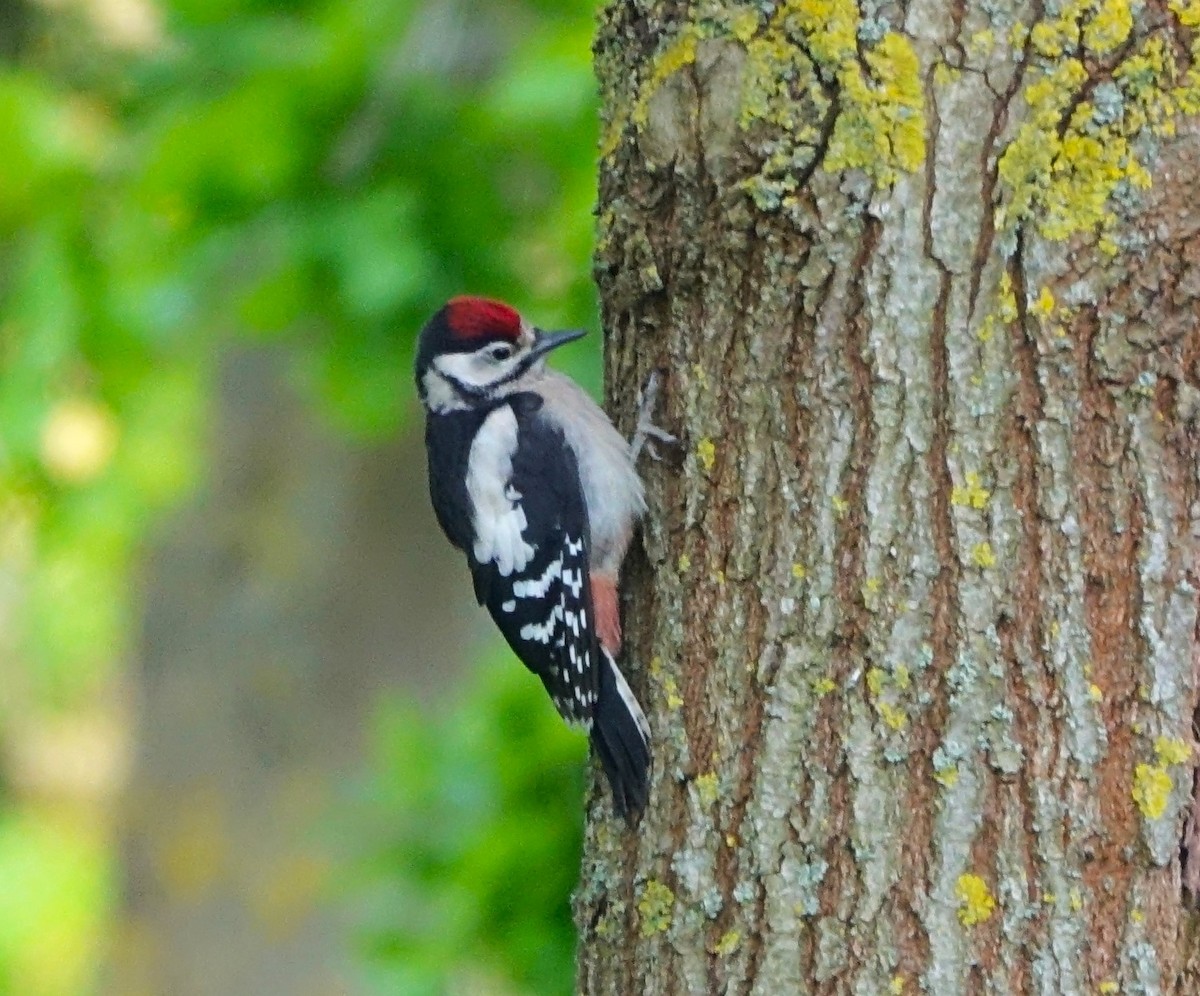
<point>914,616</point>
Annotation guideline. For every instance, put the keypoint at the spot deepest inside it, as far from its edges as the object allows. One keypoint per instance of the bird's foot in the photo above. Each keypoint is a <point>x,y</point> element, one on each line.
<point>646,430</point>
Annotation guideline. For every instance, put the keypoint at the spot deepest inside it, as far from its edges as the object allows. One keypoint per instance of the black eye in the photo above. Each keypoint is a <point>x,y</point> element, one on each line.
<point>500,351</point>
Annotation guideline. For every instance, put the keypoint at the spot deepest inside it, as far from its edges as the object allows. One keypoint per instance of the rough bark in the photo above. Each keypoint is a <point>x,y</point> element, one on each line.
<point>916,615</point>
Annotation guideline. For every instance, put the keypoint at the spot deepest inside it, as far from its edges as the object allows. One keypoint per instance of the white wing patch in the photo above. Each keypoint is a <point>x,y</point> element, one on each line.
<point>496,516</point>
<point>537,587</point>
<point>573,579</point>
<point>542,632</point>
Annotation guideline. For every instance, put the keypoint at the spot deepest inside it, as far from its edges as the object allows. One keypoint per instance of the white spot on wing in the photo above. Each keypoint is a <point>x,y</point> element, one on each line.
<point>497,519</point>
<point>509,606</point>
<point>541,632</point>
<point>537,588</point>
<point>573,579</point>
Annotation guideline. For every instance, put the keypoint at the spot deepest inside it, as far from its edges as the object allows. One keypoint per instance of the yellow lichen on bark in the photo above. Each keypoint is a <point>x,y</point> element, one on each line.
<point>1062,172</point>
<point>1152,783</point>
<point>976,904</point>
<point>654,908</point>
<point>1151,789</point>
<point>806,45</point>
<point>880,126</point>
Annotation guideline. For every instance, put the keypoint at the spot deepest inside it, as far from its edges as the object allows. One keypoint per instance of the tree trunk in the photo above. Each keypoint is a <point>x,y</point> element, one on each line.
<point>916,620</point>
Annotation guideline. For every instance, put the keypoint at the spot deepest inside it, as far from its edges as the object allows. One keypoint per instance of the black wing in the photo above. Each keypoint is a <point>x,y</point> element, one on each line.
<point>544,609</point>
<point>448,440</point>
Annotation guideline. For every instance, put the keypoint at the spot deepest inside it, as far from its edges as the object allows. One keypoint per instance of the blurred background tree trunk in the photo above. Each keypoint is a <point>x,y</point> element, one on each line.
<point>13,17</point>
<point>300,585</point>
<point>916,624</point>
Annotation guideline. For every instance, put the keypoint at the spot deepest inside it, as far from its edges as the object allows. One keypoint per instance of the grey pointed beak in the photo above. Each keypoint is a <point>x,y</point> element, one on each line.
<point>544,342</point>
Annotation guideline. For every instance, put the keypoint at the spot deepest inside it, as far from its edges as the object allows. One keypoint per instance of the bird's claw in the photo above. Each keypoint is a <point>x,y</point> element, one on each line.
<point>646,430</point>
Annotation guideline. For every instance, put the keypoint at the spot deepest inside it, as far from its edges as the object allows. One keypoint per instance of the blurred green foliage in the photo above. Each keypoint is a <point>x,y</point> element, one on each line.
<point>478,848</point>
<point>323,173</point>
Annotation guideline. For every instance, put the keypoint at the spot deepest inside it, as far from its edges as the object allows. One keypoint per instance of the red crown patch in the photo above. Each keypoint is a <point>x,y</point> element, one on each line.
<point>482,318</point>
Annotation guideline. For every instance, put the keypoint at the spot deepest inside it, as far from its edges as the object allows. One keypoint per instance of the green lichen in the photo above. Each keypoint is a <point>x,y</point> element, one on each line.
<point>1172,750</point>
<point>1151,789</point>
<point>706,454</point>
<point>945,771</point>
<point>1043,304</point>
<point>982,555</point>
<point>1072,156</point>
<point>730,941</point>
<point>679,52</point>
<point>669,686</point>
<point>944,74</point>
<point>885,692</point>
<point>611,925</point>
<point>972,493</point>
<point>706,788</point>
<point>808,60</point>
<point>1004,312</point>
<point>671,692</point>
<point>891,715</point>
<point>975,901</point>
<point>1152,783</point>
<point>880,123</point>
<point>881,129</point>
<point>654,908</point>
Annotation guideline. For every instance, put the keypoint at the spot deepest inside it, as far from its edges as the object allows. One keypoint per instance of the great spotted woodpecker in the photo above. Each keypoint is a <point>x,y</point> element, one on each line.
<point>531,481</point>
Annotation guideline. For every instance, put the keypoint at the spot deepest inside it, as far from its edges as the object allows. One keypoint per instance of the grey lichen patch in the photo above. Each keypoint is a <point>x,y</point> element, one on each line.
<point>954,832</point>
<point>1170,608</point>
<point>957,209</point>
<point>875,842</point>
<point>832,955</point>
<point>1142,968</point>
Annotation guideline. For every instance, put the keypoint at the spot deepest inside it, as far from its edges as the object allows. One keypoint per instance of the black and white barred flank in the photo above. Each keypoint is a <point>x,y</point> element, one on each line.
<point>529,556</point>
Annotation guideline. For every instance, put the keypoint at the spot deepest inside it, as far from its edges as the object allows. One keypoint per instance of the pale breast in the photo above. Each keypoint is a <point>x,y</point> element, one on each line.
<point>611,485</point>
<point>497,516</point>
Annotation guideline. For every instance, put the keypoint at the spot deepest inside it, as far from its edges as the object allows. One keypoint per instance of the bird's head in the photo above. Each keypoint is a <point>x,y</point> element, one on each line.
<point>474,350</point>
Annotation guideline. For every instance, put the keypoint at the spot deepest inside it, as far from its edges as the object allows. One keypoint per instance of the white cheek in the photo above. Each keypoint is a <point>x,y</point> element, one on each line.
<point>466,368</point>
<point>440,396</point>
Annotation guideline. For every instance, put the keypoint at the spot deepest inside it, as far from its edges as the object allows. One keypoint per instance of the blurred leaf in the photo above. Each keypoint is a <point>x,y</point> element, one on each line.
<point>55,879</point>
<point>478,814</point>
<point>324,173</point>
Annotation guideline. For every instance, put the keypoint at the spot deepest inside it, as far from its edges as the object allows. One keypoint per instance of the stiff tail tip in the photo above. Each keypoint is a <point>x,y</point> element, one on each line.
<point>621,737</point>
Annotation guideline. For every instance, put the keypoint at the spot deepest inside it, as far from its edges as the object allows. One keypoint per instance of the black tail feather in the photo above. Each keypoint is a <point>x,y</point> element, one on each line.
<point>621,739</point>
